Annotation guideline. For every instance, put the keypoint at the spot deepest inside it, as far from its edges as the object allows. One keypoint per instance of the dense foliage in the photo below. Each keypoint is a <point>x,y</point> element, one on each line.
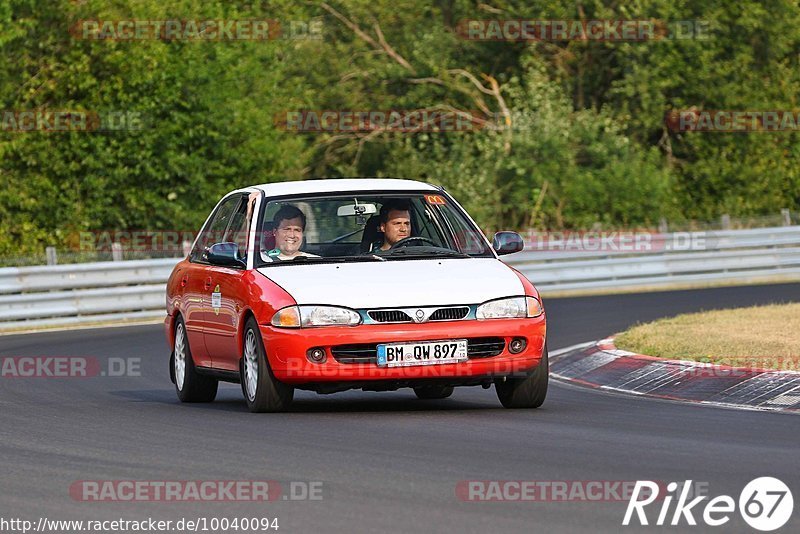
<point>575,131</point>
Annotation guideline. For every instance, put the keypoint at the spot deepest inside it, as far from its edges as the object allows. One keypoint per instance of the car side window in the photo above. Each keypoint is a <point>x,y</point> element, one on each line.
<point>466,240</point>
<point>425,224</point>
<point>215,229</point>
<point>237,229</point>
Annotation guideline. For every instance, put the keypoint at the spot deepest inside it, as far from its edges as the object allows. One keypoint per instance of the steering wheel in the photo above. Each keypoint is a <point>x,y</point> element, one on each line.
<point>404,242</point>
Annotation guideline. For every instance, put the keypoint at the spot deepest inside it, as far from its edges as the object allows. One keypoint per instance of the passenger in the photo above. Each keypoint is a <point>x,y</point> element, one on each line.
<point>395,218</point>
<point>288,226</point>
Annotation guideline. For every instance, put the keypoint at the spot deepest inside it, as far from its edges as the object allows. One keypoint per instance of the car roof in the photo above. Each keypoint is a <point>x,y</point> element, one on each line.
<point>335,185</point>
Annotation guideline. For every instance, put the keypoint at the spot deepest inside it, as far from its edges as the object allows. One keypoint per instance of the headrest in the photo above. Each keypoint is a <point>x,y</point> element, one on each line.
<point>371,234</point>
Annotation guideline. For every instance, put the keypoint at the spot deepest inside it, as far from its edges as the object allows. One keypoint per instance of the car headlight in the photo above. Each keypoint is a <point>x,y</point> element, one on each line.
<point>303,316</point>
<point>510,308</point>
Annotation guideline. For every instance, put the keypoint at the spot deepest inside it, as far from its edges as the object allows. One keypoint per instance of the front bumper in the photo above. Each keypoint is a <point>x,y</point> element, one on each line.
<point>287,348</point>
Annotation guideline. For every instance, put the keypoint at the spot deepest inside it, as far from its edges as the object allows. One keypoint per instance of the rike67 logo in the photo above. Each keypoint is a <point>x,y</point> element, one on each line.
<point>765,504</point>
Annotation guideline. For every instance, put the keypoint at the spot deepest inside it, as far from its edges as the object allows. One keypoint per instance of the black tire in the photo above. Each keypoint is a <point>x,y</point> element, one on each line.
<point>433,392</point>
<point>270,395</point>
<point>525,392</point>
<point>194,387</point>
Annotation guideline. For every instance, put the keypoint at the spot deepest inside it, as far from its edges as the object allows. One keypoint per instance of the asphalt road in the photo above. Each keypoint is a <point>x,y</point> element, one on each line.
<point>386,461</point>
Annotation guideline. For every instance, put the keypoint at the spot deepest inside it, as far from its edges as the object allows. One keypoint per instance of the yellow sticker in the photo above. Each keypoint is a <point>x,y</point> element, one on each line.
<point>436,200</point>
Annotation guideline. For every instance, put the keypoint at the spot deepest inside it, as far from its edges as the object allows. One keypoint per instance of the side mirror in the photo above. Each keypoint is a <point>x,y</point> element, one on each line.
<point>225,255</point>
<point>507,243</point>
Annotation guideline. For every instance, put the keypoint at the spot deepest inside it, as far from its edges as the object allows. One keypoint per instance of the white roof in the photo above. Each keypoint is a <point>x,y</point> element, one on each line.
<point>335,185</point>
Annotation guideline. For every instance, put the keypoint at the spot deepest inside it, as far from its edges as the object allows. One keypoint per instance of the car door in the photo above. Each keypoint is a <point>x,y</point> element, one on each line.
<point>191,281</point>
<point>225,297</point>
<point>197,287</point>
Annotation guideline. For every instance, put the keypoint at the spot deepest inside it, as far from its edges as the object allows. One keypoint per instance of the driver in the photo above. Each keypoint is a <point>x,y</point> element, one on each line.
<point>289,223</point>
<point>395,217</point>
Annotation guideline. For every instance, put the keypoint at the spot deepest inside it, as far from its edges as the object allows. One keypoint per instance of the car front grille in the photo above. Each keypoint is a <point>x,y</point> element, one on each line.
<point>453,313</point>
<point>479,347</point>
<point>449,314</point>
<point>390,316</point>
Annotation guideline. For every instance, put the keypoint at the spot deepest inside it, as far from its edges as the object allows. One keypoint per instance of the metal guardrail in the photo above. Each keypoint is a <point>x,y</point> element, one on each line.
<point>82,293</point>
<point>84,275</point>
<point>83,302</point>
<point>566,246</point>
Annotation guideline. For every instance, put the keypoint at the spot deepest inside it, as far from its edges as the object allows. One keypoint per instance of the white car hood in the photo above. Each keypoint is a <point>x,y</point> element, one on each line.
<point>398,283</point>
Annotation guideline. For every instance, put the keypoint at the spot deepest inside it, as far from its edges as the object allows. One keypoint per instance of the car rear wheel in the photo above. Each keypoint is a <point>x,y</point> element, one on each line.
<point>190,386</point>
<point>262,391</point>
<point>525,392</point>
<point>433,392</point>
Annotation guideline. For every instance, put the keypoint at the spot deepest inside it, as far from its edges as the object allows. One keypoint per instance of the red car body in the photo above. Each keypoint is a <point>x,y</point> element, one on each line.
<point>215,302</point>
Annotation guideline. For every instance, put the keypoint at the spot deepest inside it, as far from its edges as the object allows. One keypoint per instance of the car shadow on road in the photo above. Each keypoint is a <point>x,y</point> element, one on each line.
<point>366,402</point>
<point>362,402</point>
<point>230,399</point>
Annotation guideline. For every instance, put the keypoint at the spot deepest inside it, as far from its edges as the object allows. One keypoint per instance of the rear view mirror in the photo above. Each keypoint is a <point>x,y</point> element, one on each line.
<point>225,255</point>
<point>507,243</point>
<point>351,210</point>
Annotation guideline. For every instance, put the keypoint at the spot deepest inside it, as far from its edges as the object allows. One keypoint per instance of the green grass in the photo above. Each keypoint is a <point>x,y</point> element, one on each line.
<point>761,336</point>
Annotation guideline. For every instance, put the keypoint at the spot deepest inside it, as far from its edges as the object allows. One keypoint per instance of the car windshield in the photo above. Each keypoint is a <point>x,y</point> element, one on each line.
<point>367,227</point>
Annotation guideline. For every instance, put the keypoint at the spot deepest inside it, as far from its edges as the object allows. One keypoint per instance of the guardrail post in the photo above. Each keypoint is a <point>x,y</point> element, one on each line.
<point>52,256</point>
<point>116,251</point>
<point>725,221</point>
<point>787,217</point>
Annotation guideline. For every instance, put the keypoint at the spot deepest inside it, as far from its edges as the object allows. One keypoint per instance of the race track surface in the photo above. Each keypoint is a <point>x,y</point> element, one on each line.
<point>387,461</point>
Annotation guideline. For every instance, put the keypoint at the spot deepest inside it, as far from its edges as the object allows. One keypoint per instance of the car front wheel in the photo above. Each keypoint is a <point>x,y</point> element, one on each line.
<point>525,392</point>
<point>262,391</point>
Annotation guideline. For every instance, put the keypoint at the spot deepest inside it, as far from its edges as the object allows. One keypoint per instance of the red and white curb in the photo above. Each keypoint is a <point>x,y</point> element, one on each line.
<point>601,365</point>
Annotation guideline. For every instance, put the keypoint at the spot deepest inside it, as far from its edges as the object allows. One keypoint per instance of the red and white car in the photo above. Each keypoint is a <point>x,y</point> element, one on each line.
<point>380,284</point>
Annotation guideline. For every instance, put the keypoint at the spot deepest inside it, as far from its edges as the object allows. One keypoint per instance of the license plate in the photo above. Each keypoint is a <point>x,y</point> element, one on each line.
<point>422,353</point>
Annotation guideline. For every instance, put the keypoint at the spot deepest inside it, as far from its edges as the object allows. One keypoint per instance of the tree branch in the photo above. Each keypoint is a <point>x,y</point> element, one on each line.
<point>379,44</point>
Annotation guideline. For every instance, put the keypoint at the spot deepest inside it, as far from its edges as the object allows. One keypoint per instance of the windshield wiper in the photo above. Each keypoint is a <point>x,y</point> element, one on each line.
<point>307,260</point>
<point>366,257</point>
<point>409,253</point>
